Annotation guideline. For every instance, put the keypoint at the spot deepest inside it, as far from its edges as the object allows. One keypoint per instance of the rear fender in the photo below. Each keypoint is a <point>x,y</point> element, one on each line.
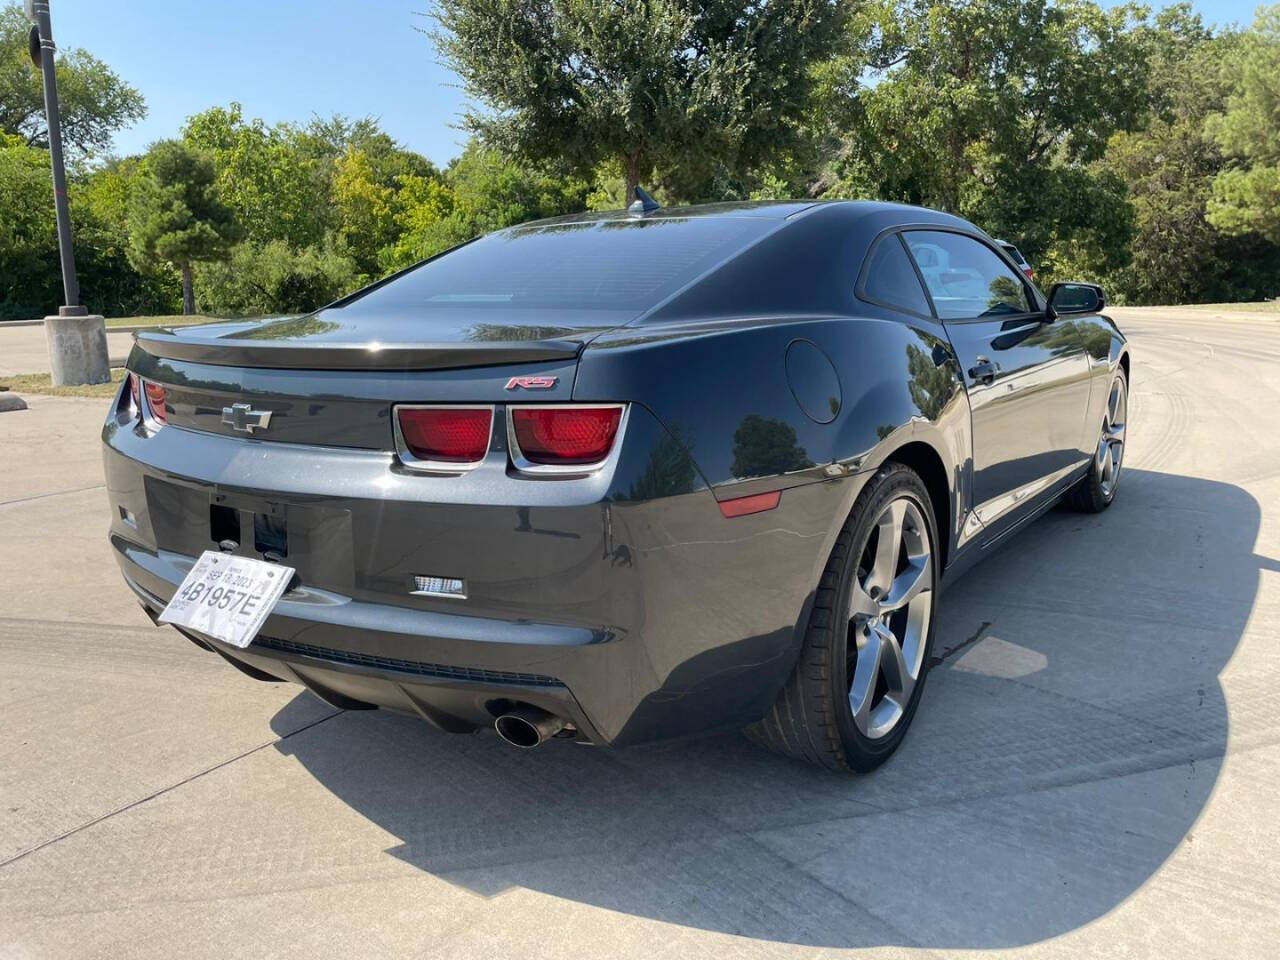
<point>723,389</point>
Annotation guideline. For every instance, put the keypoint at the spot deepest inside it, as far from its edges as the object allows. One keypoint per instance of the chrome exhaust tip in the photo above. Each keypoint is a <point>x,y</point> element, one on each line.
<point>528,727</point>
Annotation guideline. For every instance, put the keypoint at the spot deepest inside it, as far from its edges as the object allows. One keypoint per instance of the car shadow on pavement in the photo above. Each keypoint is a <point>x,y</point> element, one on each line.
<point>1071,733</point>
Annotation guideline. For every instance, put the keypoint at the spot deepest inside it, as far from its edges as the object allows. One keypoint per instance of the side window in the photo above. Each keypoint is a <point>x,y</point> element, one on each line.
<point>890,278</point>
<point>966,278</point>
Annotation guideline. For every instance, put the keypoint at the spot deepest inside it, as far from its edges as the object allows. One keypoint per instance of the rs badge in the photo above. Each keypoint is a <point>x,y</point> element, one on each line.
<point>532,383</point>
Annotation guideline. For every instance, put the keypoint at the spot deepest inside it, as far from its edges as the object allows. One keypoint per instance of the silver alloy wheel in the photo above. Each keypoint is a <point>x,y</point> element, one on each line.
<point>1110,453</point>
<point>891,602</point>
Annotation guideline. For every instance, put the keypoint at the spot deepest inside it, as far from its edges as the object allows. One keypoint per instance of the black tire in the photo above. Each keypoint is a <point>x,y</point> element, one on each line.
<point>812,719</point>
<point>1090,494</point>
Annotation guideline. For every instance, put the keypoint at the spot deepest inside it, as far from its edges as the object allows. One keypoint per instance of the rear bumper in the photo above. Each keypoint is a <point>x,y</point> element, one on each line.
<point>336,656</point>
<point>625,603</point>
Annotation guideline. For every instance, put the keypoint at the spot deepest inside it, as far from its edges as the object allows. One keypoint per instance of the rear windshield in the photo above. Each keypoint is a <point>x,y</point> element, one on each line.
<point>623,265</point>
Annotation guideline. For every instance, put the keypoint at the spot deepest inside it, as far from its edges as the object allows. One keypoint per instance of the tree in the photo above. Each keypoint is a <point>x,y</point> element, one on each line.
<point>28,238</point>
<point>272,177</point>
<point>275,278</point>
<point>175,215</point>
<point>93,100</point>
<point>675,87</point>
<point>365,208</point>
<point>992,109</point>
<point>1246,196</point>
<point>1168,164</point>
<point>100,199</point>
<point>30,284</point>
<point>483,190</point>
<point>372,179</point>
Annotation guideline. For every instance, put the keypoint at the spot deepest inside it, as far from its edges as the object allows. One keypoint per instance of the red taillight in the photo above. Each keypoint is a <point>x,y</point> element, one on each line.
<point>446,434</point>
<point>155,400</point>
<point>1031,274</point>
<point>565,436</point>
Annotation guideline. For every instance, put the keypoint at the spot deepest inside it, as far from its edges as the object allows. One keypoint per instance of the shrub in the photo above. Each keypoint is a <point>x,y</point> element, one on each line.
<point>274,278</point>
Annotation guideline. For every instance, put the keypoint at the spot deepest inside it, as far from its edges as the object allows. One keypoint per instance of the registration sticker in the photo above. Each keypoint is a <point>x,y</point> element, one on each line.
<point>227,597</point>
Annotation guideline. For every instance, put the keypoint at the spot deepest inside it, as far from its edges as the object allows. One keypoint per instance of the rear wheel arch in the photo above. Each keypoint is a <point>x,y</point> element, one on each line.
<point>927,463</point>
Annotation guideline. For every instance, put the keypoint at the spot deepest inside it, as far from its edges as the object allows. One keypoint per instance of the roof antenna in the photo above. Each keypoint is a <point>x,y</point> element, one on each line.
<point>642,204</point>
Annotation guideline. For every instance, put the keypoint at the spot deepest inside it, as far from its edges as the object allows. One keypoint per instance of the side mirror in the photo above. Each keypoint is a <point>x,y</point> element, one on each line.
<point>1076,298</point>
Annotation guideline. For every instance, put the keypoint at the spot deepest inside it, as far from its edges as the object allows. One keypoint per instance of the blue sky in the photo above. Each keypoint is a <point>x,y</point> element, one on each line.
<point>288,59</point>
<point>282,59</point>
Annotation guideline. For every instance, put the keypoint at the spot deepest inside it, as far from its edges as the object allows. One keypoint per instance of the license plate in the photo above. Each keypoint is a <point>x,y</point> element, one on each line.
<point>226,597</point>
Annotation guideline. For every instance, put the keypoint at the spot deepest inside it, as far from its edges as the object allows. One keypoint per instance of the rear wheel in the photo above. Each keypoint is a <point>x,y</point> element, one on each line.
<point>866,652</point>
<point>1097,488</point>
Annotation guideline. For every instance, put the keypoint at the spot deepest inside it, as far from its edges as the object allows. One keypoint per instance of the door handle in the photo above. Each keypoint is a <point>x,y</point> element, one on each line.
<point>983,372</point>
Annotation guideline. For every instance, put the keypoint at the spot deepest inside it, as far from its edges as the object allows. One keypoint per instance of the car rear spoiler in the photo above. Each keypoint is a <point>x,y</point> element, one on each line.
<point>282,355</point>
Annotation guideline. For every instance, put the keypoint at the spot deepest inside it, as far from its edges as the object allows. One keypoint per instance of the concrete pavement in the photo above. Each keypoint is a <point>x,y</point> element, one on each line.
<point>23,349</point>
<point>1093,771</point>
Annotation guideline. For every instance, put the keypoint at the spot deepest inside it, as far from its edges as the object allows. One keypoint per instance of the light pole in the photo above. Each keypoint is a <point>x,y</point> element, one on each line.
<point>77,339</point>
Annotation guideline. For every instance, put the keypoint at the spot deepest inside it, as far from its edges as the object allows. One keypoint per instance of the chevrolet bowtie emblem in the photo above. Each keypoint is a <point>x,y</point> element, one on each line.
<point>242,417</point>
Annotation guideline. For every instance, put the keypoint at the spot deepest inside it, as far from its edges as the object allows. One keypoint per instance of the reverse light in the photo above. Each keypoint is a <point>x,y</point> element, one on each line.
<point>443,436</point>
<point>563,435</point>
<point>135,394</point>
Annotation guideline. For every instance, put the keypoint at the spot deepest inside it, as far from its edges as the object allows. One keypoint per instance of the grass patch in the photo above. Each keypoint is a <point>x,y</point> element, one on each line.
<point>180,320</point>
<point>1269,307</point>
<point>1262,306</point>
<point>39,383</point>
<point>176,320</point>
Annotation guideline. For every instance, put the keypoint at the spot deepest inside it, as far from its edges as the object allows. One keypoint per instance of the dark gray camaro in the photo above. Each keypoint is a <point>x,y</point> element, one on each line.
<point>623,477</point>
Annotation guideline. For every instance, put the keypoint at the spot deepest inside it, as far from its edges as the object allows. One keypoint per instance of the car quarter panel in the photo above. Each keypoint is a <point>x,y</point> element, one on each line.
<point>718,380</point>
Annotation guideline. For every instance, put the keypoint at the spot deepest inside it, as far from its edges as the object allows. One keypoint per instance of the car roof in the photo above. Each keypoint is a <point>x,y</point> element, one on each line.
<point>752,209</point>
<point>614,268</point>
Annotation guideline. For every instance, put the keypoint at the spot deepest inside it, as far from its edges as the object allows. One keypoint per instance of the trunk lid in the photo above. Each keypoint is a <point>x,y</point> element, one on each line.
<point>347,338</point>
<point>331,383</point>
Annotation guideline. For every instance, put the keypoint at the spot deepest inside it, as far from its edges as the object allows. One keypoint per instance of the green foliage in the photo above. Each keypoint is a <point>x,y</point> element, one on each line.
<point>109,279</point>
<point>668,87</point>
<point>274,278</point>
<point>93,101</point>
<point>1246,196</point>
<point>365,207</point>
<point>980,108</point>
<point>482,191</point>
<point>29,278</point>
<point>175,216</point>
<point>273,178</point>
<point>1169,163</point>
